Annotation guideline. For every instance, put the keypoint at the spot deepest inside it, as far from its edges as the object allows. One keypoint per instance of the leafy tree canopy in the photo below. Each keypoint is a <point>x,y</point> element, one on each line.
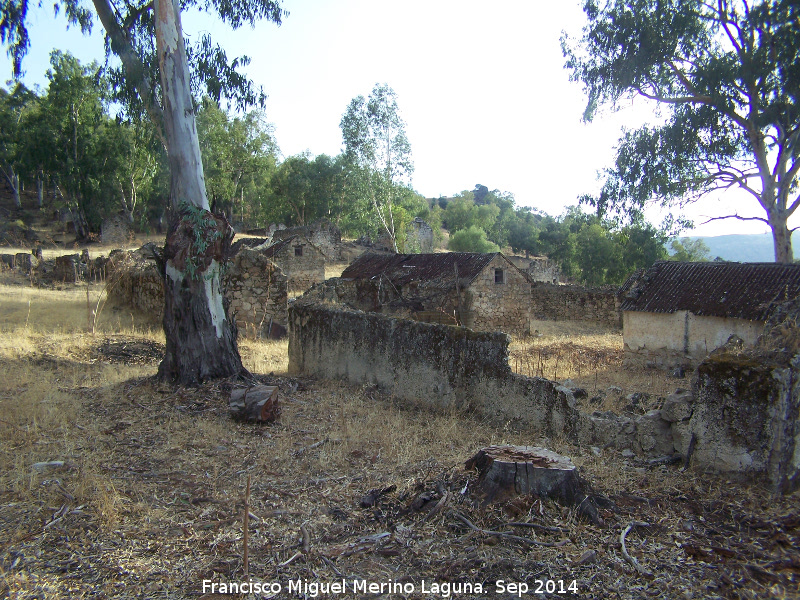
<point>472,239</point>
<point>726,75</point>
<point>689,250</point>
<point>375,140</point>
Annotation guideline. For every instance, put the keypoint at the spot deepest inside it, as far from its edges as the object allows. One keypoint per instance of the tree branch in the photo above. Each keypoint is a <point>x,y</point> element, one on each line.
<point>736,216</point>
<point>684,79</point>
<point>723,16</point>
<point>793,206</point>
<point>678,100</point>
<point>132,64</point>
<point>135,15</point>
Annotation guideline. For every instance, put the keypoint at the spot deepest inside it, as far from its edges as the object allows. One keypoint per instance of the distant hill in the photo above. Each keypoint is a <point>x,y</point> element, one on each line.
<point>743,247</point>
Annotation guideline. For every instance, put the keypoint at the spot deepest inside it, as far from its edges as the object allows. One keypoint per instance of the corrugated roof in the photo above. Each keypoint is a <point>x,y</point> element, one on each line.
<point>271,251</point>
<point>246,243</point>
<point>431,270</point>
<point>740,290</point>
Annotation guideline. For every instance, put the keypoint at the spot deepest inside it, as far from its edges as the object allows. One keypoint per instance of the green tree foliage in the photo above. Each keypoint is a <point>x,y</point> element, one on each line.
<point>76,142</point>
<point>472,239</point>
<point>304,189</point>
<point>14,107</point>
<point>96,164</point>
<point>599,251</point>
<point>463,213</point>
<point>689,250</point>
<point>141,172</point>
<point>726,75</point>
<point>375,140</point>
<point>237,152</point>
<point>294,191</point>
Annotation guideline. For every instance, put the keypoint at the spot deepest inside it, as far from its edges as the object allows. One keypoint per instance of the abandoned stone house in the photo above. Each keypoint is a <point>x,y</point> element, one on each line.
<point>491,294</point>
<point>322,234</point>
<point>299,259</point>
<point>675,313</point>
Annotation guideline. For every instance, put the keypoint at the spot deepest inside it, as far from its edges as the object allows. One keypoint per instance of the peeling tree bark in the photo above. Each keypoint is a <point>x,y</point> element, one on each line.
<point>200,338</point>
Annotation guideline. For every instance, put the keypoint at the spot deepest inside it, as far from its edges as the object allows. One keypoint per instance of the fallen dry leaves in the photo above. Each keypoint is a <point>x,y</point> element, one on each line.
<point>146,499</point>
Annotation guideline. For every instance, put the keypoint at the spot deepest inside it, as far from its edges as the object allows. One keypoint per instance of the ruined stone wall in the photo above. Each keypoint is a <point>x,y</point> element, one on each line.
<point>134,281</point>
<point>496,306</point>
<point>550,302</point>
<point>442,367</point>
<point>419,237</point>
<point>538,268</point>
<point>255,287</point>
<point>743,413</point>
<point>257,290</point>
<point>303,269</point>
<point>116,231</point>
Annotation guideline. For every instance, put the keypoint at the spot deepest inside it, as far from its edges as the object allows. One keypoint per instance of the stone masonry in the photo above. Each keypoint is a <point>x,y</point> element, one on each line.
<point>551,302</point>
<point>498,299</point>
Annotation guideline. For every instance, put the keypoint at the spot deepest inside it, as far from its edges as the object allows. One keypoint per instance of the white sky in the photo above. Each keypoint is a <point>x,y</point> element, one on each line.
<point>480,85</point>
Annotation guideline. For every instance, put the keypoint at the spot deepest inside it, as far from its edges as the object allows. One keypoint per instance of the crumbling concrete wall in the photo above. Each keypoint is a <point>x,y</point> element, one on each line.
<point>742,414</point>
<point>443,367</point>
<point>550,302</point>
<point>666,340</point>
<point>746,417</point>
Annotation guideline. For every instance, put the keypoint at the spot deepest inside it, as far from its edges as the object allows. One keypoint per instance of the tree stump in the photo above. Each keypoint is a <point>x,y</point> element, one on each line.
<point>505,471</point>
<point>259,403</point>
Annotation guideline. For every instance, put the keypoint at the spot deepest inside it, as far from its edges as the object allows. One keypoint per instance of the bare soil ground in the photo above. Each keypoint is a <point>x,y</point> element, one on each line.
<point>114,485</point>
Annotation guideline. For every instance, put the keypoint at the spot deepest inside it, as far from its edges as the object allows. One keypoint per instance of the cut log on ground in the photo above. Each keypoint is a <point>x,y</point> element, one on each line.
<point>259,403</point>
<point>506,471</point>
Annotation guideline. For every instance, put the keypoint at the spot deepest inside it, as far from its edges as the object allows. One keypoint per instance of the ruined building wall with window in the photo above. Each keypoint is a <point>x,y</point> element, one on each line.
<point>499,299</point>
<point>301,261</point>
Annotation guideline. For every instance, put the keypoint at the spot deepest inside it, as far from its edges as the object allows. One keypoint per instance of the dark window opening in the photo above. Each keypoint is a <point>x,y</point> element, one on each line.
<point>499,276</point>
<point>298,251</point>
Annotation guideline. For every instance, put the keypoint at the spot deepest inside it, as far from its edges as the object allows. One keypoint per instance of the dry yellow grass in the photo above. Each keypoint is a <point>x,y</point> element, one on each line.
<point>591,357</point>
<point>50,251</point>
<point>334,269</point>
<point>264,356</point>
<point>115,485</point>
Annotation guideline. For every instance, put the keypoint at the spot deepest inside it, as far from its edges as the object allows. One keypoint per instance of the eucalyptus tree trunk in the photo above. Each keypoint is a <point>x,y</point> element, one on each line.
<point>781,238</point>
<point>13,179</point>
<point>200,338</point>
<point>39,191</point>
